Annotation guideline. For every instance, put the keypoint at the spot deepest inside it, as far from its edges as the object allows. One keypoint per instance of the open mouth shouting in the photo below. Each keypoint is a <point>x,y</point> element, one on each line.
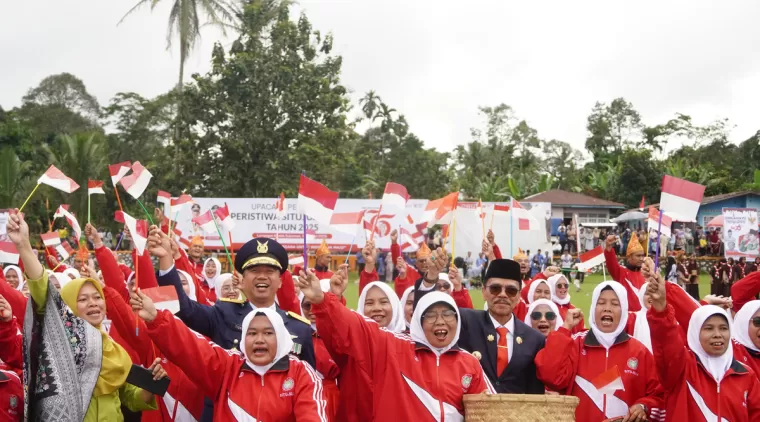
<point>543,327</point>
<point>606,321</point>
<point>441,333</point>
<point>260,351</point>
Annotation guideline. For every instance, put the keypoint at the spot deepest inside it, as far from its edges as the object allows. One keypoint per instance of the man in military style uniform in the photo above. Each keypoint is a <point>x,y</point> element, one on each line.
<point>261,261</point>
<point>505,346</point>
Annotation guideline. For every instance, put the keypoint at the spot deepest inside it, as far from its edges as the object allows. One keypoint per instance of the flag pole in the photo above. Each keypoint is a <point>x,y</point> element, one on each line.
<point>604,272</point>
<point>88,206</point>
<point>657,247</point>
<point>453,240</point>
<point>493,212</point>
<point>305,250</point>
<point>511,225</point>
<point>221,238</point>
<point>146,212</point>
<point>232,258</point>
<point>482,218</point>
<point>47,214</point>
<point>374,223</point>
<point>137,286</point>
<point>350,247</point>
<point>29,197</point>
<point>117,198</point>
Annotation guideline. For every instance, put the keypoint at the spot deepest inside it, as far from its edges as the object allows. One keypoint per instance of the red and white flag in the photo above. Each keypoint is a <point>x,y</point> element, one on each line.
<point>118,216</point>
<point>479,210</point>
<point>609,381</point>
<point>8,253</point>
<point>181,203</point>
<point>206,222</point>
<point>63,211</point>
<point>591,259</point>
<point>119,170</point>
<point>165,198</point>
<point>440,211</point>
<point>136,183</point>
<point>65,250</point>
<point>95,187</point>
<point>316,201</point>
<point>55,178</point>
<point>381,223</point>
<point>680,198</point>
<point>279,206</point>
<point>50,239</point>
<point>164,297</point>
<point>395,196</point>
<point>653,221</point>
<point>410,239</point>
<point>347,222</point>
<point>138,231</point>
<point>642,203</point>
<point>225,218</point>
<point>295,260</point>
<point>525,221</point>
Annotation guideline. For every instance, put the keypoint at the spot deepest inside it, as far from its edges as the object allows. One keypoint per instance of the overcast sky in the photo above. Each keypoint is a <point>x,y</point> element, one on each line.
<point>437,61</point>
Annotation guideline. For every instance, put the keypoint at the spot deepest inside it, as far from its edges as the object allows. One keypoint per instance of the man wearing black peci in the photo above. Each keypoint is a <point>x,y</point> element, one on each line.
<point>505,346</point>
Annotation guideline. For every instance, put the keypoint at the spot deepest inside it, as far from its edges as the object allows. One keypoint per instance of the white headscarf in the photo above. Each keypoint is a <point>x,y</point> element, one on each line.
<point>220,280</point>
<point>190,285</point>
<point>284,341</point>
<point>212,281</point>
<point>61,278</point>
<point>18,271</point>
<point>558,322</point>
<point>716,366</point>
<point>534,286</point>
<point>641,326</point>
<point>403,300</point>
<point>608,339</point>
<point>397,324</point>
<point>741,324</point>
<point>69,272</point>
<point>552,281</point>
<point>416,331</point>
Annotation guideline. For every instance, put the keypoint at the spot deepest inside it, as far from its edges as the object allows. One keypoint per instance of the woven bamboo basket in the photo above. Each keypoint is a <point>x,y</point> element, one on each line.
<point>519,408</point>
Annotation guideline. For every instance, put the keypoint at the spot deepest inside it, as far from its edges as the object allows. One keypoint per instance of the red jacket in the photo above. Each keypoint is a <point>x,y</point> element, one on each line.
<point>366,278</point>
<point>289,388</point>
<point>11,397</point>
<point>526,285</point>
<point>183,263</point>
<point>11,347</point>
<point>328,369</point>
<point>409,380</point>
<point>50,252</point>
<point>461,298</point>
<point>572,363</point>
<point>693,394</point>
<point>401,284</point>
<point>631,280</point>
<point>581,327</point>
<point>745,290</point>
<point>286,294</point>
<point>322,275</point>
<point>15,298</point>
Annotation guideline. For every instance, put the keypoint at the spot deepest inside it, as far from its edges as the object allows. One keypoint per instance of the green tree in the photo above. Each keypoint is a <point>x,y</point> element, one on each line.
<point>15,182</point>
<point>611,128</point>
<point>185,23</point>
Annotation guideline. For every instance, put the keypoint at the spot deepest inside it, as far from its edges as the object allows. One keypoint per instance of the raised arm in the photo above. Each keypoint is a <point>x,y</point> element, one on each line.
<point>37,280</point>
<point>610,259</point>
<point>182,262</point>
<point>745,290</point>
<point>459,293</point>
<point>370,258</point>
<point>557,362</point>
<point>286,294</point>
<point>123,320</point>
<point>113,277</point>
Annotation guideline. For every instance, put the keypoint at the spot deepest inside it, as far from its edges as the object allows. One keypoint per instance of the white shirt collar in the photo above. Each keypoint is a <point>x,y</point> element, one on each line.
<point>510,325</point>
<point>273,307</point>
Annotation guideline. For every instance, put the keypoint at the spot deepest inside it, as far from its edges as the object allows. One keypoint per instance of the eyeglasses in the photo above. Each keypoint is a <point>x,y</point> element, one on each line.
<point>443,286</point>
<point>756,321</point>
<point>563,286</point>
<point>496,289</point>
<point>448,315</point>
<point>306,306</point>
<point>550,316</point>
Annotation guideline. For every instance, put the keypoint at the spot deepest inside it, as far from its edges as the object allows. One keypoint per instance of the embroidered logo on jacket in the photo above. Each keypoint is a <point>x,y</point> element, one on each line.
<point>288,384</point>
<point>633,363</point>
<point>466,381</point>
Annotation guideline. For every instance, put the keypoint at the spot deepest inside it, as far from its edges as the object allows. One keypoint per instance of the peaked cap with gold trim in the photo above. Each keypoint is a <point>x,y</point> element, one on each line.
<point>261,251</point>
<point>634,245</point>
<point>323,249</point>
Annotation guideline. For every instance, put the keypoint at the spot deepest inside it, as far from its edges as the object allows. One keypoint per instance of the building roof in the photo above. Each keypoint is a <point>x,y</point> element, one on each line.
<point>563,198</point>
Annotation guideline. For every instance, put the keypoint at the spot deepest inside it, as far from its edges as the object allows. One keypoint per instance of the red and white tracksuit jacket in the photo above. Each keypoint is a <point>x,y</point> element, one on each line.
<point>631,280</point>
<point>692,393</point>
<point>291,387</point>
<point>581,327</point>
<point>11,397</point>
<point>329,370</point>
<point>401,284</point>
<point>571,365</point>
<point>409,381</point>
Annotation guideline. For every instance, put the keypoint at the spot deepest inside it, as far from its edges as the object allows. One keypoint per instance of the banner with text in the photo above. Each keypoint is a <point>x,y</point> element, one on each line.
<point>740,233</point>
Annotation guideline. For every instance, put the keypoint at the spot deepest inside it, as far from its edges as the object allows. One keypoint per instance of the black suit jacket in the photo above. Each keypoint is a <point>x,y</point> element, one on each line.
<point>520,376</point>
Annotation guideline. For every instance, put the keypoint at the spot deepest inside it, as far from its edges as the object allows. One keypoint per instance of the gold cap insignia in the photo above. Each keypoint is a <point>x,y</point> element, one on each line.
<point>518,340</point>
<point>263,247</point>
<point>477,355</point>
<point>490,337</point>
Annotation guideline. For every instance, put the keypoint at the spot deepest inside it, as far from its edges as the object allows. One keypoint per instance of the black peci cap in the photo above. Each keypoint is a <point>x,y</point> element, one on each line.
<point>503,268</point>
<point>261,251</point>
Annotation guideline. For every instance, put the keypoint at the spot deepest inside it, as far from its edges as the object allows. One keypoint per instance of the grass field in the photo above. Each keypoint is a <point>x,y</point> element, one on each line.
<point>581,299</point>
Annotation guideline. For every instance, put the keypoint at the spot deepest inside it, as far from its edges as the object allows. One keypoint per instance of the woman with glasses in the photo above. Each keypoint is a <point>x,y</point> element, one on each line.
<point>560,287</point>
<point>411,377</point>
<point>543,316</point>
<point>611,373</point>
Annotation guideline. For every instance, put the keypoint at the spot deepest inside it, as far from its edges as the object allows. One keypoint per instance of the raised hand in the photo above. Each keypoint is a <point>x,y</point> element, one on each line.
<point>309,285</point>
<point>573,318</point>
<point>609,243</point>
<point>394,237</point>
<point>158,371</point>
<point>143,305</point>
<point>158,216</point>
<point>339,280</point>
<point>401,267</point>
<point>656,291</point>
<point>6,313</point>
<point>93,236</point>
<point>490,237</point>
<point>551,271</point>
<point>487,249</point>
<point>370,256</point>
<point>455,279</point>
<point>158,243</point>
<point>17,229</point>
<point>438,262</point>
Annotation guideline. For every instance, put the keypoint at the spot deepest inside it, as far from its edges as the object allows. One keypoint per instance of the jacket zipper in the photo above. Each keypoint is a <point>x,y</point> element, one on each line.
<point>438,386</point>
<point>604,396</point>
<point>719,401</point>
<point>258,402</point>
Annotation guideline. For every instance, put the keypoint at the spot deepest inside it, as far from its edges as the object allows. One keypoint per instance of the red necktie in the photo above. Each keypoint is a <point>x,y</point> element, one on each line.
<point>502,355</point>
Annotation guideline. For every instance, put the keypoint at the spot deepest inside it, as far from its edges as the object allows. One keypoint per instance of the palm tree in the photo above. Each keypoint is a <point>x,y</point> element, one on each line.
<point>185,23</point>
<point>369,104</point>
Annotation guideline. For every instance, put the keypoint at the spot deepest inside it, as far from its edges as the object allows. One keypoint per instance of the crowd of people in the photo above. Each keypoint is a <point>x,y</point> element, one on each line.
<point>264,343</point>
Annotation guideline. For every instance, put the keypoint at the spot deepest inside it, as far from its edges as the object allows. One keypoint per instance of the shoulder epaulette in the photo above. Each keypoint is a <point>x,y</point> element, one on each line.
<point>299,317</point>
